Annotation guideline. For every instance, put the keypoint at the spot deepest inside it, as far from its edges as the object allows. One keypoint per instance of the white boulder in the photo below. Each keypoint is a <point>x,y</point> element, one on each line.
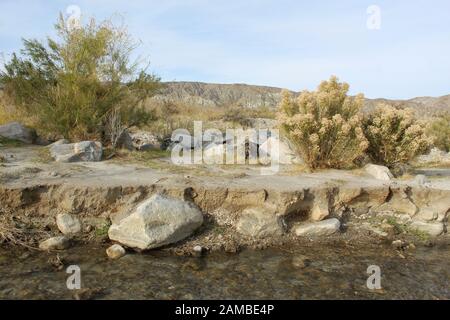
<point>156,222</point>
<point>322,228</point>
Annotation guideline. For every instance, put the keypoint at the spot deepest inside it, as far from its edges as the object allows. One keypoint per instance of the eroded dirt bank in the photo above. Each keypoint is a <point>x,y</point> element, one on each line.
<point>106,192</point>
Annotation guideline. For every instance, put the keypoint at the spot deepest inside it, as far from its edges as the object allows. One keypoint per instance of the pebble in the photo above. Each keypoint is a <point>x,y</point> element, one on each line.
<point>116,251</point>
<point>398,244</point>
<point>197,251</point>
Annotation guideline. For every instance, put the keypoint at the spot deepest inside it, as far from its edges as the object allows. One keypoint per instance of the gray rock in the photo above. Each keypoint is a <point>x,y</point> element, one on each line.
<point>259,223</point>
<point>156,222</point>
<point>433,229</point>
<point>55,243</point>
<point>116,251</point>
<point>379,172</point>
<point>17,131</point>
<point>74,152</point>
<point>321,228</point>
<point>125,141</point>
<point>68,224</point>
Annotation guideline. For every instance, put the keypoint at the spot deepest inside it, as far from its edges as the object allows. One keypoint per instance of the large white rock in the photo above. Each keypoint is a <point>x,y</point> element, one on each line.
<point>433,229</point>
<point>73,152</point>
<point>379,172</point>
<point>156,222</point>
<point>286,153</point>
<point>321,228</point>
<point>17,131</point>
<point>68,224</point>
<point>259,223</point>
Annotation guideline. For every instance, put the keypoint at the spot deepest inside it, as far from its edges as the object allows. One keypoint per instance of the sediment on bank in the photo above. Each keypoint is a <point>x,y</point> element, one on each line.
<point>244,213</point>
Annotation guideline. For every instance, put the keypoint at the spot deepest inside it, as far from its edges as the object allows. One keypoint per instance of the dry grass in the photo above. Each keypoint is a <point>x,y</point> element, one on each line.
<point>169,116</point>
<point>16,232</point>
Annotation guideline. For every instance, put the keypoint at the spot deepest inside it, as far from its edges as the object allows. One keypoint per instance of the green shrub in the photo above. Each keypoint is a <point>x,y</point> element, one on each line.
<point>439,129</point>
<point>325,125</point>
<point>72,83</point>
<point>394,135</point>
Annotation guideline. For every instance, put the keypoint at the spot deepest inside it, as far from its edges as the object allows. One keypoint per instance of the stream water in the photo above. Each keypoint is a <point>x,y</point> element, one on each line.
<point>308,272</point>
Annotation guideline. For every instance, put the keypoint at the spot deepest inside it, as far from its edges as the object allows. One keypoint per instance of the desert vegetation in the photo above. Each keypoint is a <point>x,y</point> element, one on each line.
<point>395,136</point>
<point>69,86</point>
<point>325,125</point>
<point>439,129</point>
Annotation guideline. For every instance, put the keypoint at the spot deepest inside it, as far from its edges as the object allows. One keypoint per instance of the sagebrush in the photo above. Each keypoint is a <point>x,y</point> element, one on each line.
<point>395,136</point>
<point>325,125</point>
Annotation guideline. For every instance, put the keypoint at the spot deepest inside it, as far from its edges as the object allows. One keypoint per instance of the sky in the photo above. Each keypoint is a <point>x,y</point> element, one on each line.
<point>282,43</point>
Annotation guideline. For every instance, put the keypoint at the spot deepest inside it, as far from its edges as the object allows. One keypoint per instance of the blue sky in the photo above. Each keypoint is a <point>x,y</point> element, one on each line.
<point>283,43</point>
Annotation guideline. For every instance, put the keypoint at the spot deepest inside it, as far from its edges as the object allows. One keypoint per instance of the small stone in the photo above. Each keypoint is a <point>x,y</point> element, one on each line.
<point>321,228</point>
<point>88,228</point>
<point>68,224</point>
<point>197,251</point>
<point>116,251</point>
<point>55,243</point>
<point>398,244</point>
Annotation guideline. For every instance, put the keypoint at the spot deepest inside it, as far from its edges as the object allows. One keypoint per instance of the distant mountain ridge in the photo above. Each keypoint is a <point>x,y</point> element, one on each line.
<point>252,96</point>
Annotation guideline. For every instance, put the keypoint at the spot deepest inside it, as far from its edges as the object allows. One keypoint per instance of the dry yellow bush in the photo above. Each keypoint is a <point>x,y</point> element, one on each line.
<point>325,125</point>
<point>394,135</point>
